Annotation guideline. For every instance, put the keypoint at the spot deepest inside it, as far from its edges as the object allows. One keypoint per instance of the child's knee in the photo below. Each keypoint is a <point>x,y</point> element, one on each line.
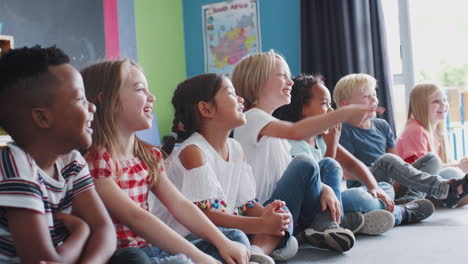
<point>304,163</point>
<point>389,158</point>
<point>358,199</point>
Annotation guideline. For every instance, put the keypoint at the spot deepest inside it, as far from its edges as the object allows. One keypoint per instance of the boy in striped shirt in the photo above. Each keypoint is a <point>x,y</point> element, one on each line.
<point>43,179</point>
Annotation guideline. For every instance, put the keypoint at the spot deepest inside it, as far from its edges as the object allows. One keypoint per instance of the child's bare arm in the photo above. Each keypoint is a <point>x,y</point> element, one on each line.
<point>392,150</point>
<point>143,223</point>
<point>332,139</point>
<point>315,125</point>
<point>32,237</point>
<point>192,157</point>
<point>360,172</point>
<point>102,241</point>
<point>191,217</point>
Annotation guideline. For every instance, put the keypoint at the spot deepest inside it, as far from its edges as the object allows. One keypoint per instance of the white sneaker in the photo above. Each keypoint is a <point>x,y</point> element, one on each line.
<point>377,222</point>
<point>287,252</point>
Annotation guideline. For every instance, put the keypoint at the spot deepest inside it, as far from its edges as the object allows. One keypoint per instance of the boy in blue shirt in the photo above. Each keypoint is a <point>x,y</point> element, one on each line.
<point>373,143</point>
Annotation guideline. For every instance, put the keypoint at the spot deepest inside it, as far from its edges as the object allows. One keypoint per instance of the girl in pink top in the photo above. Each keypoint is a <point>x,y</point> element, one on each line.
<point>425,130</point>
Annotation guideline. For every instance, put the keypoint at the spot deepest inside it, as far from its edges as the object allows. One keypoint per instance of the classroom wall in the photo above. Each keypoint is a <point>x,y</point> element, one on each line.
<point>77,27</point>
<point>160,45</point>
<point>279,25</point>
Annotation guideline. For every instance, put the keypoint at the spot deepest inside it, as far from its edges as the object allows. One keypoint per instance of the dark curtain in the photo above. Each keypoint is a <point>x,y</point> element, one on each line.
<point>339,37</point>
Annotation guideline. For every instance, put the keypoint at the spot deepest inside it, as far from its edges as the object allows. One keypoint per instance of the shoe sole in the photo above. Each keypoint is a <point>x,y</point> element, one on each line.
<point>339,240</point>
<point>377,222</point>
<point>361,224</point>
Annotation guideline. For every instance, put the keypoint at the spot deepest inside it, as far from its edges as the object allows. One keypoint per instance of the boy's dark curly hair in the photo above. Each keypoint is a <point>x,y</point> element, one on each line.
<point>20,64</point>
<point>25,80</point>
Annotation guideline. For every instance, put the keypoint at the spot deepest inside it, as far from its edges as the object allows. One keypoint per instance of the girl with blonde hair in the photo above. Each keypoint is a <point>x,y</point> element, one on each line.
<point>125,169</point>
<point>425,132</point>
<point>264,81</point>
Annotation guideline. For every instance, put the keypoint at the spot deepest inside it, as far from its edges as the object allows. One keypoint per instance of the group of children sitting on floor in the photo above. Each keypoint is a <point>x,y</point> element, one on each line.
<point>249,199</point>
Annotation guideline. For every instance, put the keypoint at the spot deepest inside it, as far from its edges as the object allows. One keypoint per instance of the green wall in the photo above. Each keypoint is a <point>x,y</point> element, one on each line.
<point>160,45</point>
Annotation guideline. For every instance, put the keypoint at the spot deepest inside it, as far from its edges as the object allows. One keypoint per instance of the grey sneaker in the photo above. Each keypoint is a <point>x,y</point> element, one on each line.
<point>353,220</point>
<point>377,222</point>
<point>417,211</point>
<point>256,258</point>
<point>325,233</point>
<point>288,252</point>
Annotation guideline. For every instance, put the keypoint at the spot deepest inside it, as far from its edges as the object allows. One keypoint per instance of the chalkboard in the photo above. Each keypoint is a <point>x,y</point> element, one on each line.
<point>76,26</point>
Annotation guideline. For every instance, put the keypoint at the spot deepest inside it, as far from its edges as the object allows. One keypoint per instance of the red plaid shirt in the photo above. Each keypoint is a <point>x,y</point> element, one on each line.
<point>134,181</point>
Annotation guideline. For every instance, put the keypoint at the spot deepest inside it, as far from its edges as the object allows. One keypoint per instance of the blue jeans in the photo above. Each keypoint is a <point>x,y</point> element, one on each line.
<point>300,187</point>
<point>157,256</point>
<point>232,234</point>
<point>359,199</point>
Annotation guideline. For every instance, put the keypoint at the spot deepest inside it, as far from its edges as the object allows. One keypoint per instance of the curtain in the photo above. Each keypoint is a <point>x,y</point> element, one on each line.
<point>339,37</point>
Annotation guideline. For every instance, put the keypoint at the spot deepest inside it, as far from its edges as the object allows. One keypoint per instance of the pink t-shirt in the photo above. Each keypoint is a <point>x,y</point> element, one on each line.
<point>414,142</point>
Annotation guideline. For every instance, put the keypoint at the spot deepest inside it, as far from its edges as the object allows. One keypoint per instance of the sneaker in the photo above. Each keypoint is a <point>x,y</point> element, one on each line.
<point>287,252</point>
<point>256,258</point>
<point>455,199</point>
<point>405,200</point>
<point>325,233</point>
<point>353,220</point>
<point>417,211</point>
<point>377,222</point>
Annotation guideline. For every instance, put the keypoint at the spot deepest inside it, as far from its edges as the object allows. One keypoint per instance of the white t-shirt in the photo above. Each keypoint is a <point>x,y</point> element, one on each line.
<point>24,185</point>
<point>269,156</point>
<point>228,184</point>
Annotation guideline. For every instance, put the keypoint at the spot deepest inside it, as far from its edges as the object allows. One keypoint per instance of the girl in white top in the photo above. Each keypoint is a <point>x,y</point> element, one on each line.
<point>209,168</point>
<point>263,80</point>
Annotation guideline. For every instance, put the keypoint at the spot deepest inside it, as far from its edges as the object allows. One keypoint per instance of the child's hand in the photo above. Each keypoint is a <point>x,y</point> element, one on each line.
<point>328,200</point>
<point>358,114</point>
<point>275,220</point>
<point>332,137</point>
<point>72,223</point>
<point>463,164</point>
<point>381,194</point>
<point>234,252</point>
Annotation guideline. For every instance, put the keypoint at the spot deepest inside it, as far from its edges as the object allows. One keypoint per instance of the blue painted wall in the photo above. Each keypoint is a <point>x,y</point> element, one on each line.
<point>279,25</point>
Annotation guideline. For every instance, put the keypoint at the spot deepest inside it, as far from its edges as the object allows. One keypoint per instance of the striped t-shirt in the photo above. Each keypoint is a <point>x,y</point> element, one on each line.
<point>24,185</point>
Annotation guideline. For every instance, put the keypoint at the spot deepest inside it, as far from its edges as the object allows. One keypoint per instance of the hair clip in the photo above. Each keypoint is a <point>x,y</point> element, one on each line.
<point>180,126</point>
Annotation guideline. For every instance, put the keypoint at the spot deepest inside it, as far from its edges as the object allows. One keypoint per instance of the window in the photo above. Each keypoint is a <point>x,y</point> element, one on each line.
<point>427,41</point>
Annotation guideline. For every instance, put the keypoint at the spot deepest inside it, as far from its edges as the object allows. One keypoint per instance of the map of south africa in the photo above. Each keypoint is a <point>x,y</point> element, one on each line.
<point>234,44</point>
<point>230,32</point>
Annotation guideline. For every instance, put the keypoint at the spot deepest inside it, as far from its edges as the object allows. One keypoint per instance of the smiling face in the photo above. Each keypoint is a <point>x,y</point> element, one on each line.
<point>277,90</point>
<point>366,95</point>
<point>229,107</point>
<point>134,112</point>
<point>320,103</point>
<point>71,110</point>
<point>437,107</point>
